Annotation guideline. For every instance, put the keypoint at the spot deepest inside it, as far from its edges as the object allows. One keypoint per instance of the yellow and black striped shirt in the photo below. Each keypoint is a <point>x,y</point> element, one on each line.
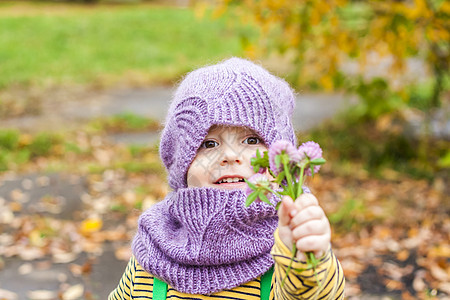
<point>302,283</point>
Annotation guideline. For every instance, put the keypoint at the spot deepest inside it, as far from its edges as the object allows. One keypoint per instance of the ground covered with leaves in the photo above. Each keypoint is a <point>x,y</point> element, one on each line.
<point>390,229</point>
<point>386,192</point>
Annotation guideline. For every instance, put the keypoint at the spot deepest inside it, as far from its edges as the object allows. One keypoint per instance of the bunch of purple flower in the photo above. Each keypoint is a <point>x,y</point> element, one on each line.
<point>287,165</point>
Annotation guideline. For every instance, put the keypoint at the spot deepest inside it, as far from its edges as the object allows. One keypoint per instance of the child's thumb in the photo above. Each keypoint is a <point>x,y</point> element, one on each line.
<point>284,213</point>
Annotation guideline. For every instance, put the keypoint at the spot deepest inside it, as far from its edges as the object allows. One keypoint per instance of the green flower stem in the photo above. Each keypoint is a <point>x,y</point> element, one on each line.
<point>273,192</point>
<point>312,260</point>
<point>300,182</point>
<point>310,257</point>
<point>271,173</point>
<point>294,250</point>
<point>289,180</point>
<point>291,190</point>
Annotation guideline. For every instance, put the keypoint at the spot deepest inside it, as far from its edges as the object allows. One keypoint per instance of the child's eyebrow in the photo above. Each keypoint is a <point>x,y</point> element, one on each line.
<point>218,132</point>
<point>253,133</point>
<point>248,134</point>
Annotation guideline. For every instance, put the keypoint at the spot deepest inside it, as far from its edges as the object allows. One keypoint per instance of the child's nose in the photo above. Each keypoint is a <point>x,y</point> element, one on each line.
<point>230,156</point>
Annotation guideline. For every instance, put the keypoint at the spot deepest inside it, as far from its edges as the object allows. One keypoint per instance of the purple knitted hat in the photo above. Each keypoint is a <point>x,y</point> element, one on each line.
<point>235,92</point>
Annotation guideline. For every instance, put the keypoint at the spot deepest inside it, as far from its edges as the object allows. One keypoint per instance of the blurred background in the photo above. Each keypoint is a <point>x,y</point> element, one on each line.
<point>85,85</point>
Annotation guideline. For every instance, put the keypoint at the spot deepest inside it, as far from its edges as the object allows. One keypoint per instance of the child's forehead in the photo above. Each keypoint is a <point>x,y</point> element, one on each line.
<point>230,130</point>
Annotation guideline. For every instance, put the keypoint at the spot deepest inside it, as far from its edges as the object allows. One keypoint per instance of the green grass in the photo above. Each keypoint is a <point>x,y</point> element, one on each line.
<point>16,150</point>
<point>104,44</point>
<point>124,122</point>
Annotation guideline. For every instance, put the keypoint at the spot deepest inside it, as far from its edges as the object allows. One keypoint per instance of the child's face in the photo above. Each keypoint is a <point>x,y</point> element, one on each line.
<point>223,159</point>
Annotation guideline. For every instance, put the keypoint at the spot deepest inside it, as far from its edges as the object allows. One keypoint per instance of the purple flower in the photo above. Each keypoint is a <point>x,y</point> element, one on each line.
<point>259,180</point>
<point>313,151</point>
<point>280,147</point>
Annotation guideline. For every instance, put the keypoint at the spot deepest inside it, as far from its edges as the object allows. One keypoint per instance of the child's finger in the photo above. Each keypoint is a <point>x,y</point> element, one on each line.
<point>313,243</point>
<point>305,200</point>
<point>286,209</point>
<point>307,214</point>
<point>313,227</point>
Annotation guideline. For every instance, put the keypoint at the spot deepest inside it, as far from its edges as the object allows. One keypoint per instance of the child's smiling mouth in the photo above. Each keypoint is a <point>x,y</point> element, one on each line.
<point>230,181</point>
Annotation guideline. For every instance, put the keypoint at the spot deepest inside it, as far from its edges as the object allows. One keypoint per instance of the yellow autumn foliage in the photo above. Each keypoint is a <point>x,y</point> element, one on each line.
<point>324,35</point>
<point>90,226</point>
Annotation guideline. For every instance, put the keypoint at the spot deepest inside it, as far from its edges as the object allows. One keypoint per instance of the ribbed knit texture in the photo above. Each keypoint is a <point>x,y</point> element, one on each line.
<point>203,240</point>
<point>236,93</point>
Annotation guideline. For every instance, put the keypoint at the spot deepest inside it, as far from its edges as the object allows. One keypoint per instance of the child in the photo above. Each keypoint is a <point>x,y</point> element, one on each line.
<point>201,242</point>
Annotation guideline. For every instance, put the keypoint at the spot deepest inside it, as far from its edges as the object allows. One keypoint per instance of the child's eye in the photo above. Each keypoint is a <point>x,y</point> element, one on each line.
<point>209,144</point>
<point>253,140</point>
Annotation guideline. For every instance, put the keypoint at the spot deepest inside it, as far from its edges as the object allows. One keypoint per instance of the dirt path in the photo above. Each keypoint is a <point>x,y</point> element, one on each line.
<point>62,110</point>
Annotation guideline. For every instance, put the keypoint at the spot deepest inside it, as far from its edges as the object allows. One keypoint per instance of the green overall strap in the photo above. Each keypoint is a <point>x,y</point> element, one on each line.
<point>266,282</point>
<point>159,289</point>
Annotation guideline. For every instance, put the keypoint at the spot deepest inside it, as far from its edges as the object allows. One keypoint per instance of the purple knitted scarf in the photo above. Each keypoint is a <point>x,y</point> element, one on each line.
<point>203,240</point>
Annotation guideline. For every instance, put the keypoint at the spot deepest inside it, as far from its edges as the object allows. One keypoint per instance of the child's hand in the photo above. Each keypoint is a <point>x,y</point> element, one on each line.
<point>304,223</point>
